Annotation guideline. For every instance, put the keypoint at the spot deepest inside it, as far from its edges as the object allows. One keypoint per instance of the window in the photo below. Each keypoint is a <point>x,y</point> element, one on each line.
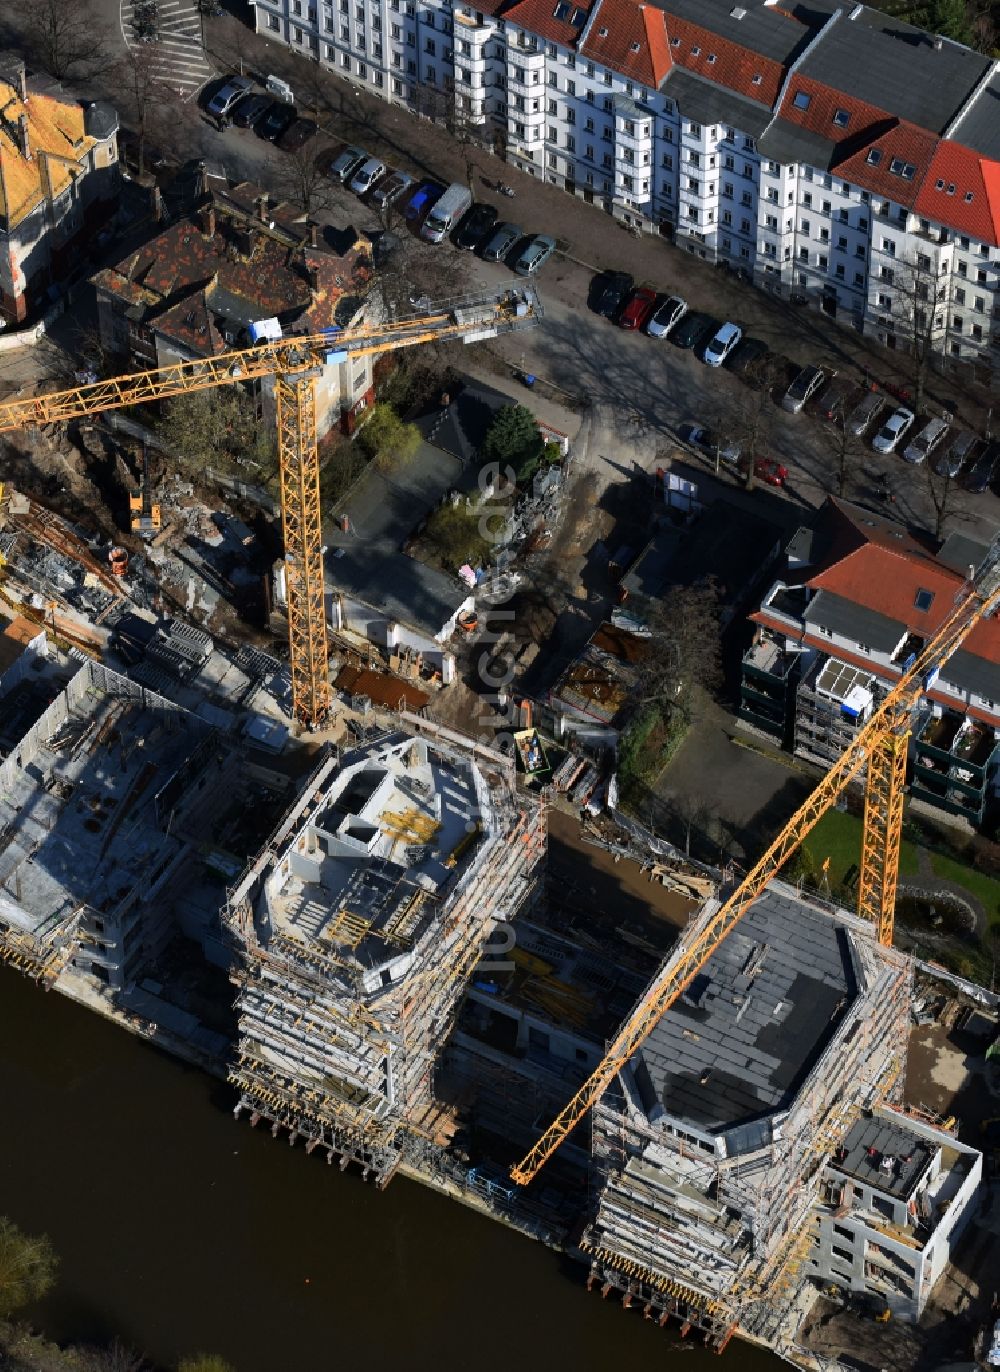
<point>838,271</point>
<point>923,601</point>
<point>273,22</point>
<point>874,157</point>
<point>667,161</point>
<point>980,304</point>
<point>842,118</point>
<point>959,296</point>
<point>806,226</point>
<point>888,247</point>
<point>859,278</point>
<point>588,125</point>
<point>842,243</point>
<point>801,100</point>
<point>588,152</point>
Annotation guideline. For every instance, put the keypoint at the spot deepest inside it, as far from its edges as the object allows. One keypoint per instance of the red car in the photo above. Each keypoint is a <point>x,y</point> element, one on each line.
<point>767,470</point>
<point>638,308</point>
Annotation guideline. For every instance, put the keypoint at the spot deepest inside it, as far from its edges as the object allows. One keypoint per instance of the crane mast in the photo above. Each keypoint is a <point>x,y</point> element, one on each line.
<point>881,745</point>
<point>294,362</point>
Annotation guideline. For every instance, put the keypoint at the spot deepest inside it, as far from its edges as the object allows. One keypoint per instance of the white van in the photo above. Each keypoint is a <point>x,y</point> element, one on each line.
<point>446,213</point>
<point>281,90</point>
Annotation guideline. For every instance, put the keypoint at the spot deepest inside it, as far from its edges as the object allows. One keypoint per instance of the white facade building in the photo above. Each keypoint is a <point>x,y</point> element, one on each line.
<point>828,153</point>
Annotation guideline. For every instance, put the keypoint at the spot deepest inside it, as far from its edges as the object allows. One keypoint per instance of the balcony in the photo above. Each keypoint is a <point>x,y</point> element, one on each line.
<point>788,603</point>
<point>952,758</point>
<point>768,661</point>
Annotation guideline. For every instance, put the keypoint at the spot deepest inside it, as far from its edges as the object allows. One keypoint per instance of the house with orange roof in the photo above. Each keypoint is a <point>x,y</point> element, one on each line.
<point>856,601</point>
<point>235,266</point>
<point>835,155</point>
<point>58,183</point>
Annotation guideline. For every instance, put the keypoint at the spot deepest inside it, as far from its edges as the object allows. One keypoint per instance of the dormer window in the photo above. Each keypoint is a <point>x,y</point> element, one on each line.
<point>711,58</point>
<point>696,52</point>
<point>968,197</point>
<point>756,79</point>
<point>939,184</point>
<point>675,42</point>
<point>561,10</point>
<point>634,47</point>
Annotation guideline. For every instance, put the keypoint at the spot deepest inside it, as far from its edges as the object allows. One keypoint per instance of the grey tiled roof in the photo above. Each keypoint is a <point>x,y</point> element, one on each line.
<point>849,620</point>
<point>743,1037</point>
<point>786,142</point>
<point>909,1156</point>
<point>897,68</point>
<point>779,33</point>
<point>708,102</point>
<point>980,126</point>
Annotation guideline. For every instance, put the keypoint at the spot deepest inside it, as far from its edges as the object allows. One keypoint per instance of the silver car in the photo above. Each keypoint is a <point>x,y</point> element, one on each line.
<point>666,315</point>
<point>500,242</point>
<point>866,412</point>
<point>923,444</point>
<point>393,188</point>
<point>224,100</point>
<point>895,428</point>
<point>343,167</point>
<point>534,255</point>
<point>805,385</point>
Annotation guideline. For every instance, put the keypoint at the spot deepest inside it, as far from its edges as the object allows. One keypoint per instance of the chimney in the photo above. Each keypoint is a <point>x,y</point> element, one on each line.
<point>202,179</point>
<point>156,204</point>
<point>261,206</point>
<point>314,235</point>
<point>208,220</point>
<point>22,136</point>
<point>12,71</point>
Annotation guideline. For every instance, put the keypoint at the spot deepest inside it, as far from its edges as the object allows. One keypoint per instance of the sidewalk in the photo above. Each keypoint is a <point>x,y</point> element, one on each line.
<point>586,233</point>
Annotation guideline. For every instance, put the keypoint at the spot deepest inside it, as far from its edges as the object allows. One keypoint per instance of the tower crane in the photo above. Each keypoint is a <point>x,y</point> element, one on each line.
<point>881,746</point>
<point>294,362</point>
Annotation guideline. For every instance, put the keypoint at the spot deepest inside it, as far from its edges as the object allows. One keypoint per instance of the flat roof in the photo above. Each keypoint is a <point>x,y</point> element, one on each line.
<point>399,822</point>
<point>85,817</point>
<point>739,1043</point>
<point>883,1155</point>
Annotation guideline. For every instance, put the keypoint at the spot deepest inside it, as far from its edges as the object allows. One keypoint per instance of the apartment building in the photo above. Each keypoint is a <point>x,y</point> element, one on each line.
<point>234,267</point>
<point>58,183</point>
<point>727,127</point>
<point>856,601</point>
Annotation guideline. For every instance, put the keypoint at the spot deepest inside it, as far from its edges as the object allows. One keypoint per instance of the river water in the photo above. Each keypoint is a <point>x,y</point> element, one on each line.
<point>182,1230</point>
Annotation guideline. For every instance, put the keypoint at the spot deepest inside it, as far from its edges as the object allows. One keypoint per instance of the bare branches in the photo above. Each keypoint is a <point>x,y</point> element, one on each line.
<point>70,40</point>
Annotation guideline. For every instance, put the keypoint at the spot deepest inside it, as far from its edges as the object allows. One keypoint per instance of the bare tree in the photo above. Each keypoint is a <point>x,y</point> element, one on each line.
<point>846,449</point>
<point>153,108</point>
<point>941,489</point>
<point>300,178</point>
<point>746,419</point>
<point>684,666</point>
<point>917,317</point>
<point>70,40</point>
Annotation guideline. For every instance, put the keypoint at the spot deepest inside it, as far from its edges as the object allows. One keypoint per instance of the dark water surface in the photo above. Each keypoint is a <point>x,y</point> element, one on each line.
<point>182,1230</point>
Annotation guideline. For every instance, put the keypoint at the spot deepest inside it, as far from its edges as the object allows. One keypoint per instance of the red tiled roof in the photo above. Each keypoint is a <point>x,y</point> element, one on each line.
<point>810,640</point>
<point>735,67</point>
<point>626,46</point>
<point>968,173</point>
<point>901,141</point>
<point>538,17</point>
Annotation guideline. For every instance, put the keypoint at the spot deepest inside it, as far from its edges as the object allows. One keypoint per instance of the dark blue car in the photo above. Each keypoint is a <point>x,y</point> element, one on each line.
<point>428,193</point>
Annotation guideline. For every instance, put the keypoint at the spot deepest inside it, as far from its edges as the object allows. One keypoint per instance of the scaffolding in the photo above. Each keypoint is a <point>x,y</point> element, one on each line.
<point>345,1009</point>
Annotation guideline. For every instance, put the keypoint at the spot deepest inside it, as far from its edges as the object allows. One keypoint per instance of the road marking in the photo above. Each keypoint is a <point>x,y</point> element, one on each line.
<point>176,56</point>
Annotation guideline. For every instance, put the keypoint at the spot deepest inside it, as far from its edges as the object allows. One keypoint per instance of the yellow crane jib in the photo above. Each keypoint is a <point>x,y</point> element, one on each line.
<point>880,744</point>
<point>295,362</point>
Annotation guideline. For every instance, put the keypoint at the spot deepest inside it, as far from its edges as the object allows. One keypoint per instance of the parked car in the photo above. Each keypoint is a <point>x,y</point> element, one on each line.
<point>768,470</point>
<point>346,163</point>
<point>227,95</point>
<point>710,443</point>
<point>981,471</point>
<point>836,400</point>
<point>390,190</point>
<point>372,169</point>
<point>961,449</point>
<point>297,135</point>
<point>803,388</point>
<point>694,330</point>
<point>638,308</point>
<point>474,225</point>
<point>923,444</point>
<point>427,194</point>
<point>718,348</point>
<point>445,212</point>
<point>666,316</point>
<point>500,242</point>
<point>277,119</point>
<point>895,428</point>
<point>866,412</point>
<point>747,356</point>
<point>534,255</point>
<point>249,109</point>
<point>608,292</point>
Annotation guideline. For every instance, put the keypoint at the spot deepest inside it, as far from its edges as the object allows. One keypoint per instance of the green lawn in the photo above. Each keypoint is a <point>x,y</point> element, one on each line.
<point>837,836</point>
<point>978,884</point>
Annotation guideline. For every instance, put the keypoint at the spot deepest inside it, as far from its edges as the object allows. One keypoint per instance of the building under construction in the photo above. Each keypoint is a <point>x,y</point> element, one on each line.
<point>358,926</point>
<point>751,1143</point>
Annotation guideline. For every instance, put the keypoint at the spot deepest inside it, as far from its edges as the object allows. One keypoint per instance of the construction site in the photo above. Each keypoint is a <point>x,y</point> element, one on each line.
<point>692,1081</point>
